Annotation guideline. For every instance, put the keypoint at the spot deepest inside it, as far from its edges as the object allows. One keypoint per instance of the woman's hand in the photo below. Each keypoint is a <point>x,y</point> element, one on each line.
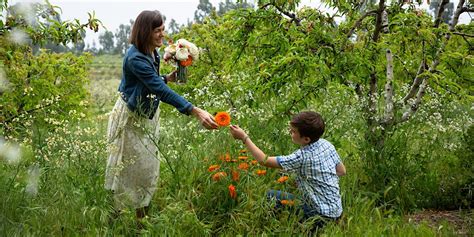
<point>206,119</point>
<point>237,132</point>
<point>171,77</point>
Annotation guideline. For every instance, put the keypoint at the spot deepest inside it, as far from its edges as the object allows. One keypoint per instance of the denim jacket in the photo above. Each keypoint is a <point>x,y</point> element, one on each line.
<point>142,87</point>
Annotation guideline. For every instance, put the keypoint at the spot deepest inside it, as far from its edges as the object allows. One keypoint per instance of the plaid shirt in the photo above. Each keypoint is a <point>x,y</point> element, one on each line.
<point>315,166</point>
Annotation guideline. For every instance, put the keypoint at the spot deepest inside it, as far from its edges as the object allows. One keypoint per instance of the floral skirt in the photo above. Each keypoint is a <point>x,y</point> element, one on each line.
<point>133,165</point>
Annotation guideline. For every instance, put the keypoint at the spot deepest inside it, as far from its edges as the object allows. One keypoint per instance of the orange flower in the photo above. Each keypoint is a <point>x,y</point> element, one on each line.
<point>218,176</point>
<point>243,157</point>
<point>261,172</point>
<point>186,62</point>
<point>243,151</point>
<point>235,175</point>
<point>254,162</point>
<point>243,166</point>
<point>222,119</point>
<point>282,179</point>
<point>225,157</point>
<point>287,202</point>
<point>232,192</point>
<point>213,167</point>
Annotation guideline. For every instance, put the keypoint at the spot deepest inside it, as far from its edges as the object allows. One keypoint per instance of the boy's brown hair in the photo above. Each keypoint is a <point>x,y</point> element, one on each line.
<point>309,124</point>
<point>143,28</point>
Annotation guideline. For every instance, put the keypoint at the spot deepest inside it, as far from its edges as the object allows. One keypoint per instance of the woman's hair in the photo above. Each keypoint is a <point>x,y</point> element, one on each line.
<point>143,28</point>
<point>309,124</point>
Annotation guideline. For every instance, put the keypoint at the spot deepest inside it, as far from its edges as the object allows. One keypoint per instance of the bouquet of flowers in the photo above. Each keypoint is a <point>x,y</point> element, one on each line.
<point>183,53</point>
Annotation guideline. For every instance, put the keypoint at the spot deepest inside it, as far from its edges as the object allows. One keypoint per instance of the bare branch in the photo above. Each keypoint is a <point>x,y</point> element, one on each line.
<point>358,22</point>
<point>379,21</point>
<point>457,13</point>
<point>462,34</point>
<point>288,14</point>
<point>416,82</point>
<point>414,107</point>
<point>389,108</point>
<point>439,14</point>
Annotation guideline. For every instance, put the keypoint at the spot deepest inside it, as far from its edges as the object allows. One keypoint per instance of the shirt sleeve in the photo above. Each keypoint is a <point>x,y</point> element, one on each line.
<point>156,85</point>
<point>290,162</point>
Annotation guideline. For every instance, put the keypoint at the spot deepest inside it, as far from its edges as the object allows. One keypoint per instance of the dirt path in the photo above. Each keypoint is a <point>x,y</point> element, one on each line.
<point>460,221</point>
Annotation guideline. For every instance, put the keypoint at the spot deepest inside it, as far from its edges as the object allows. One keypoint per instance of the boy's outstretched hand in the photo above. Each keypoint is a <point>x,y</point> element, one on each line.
<point>237,132</point>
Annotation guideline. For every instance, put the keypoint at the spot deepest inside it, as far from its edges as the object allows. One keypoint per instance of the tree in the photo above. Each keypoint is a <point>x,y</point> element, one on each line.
<point>447,12</point>
<point>122,38</point>
<point>229,5</point>
<point>204,9</point>
<point>173,27</point>
<point>107,41</point>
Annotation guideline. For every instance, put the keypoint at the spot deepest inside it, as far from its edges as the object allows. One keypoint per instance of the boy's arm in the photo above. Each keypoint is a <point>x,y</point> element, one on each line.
<point>259,155</point>
<point>340,169</point>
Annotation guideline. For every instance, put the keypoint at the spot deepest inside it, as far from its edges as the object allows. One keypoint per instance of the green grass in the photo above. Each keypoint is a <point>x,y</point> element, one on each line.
<point>71,199</point>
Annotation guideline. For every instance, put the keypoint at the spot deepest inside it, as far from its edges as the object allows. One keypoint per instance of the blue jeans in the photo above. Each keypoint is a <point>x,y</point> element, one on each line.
<point>278,196</point>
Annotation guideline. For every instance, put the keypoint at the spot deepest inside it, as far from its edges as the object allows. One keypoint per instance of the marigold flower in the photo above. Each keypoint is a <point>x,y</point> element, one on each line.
<point>235,175</point>
<point>243,157</point>
<point>243,151</point>
<point>254,162</point>
<point>232,192</point>
<point>213,167</point>
<point>219,175</point>
<point>287,202</point>
<point>243,166</point>
<point>186,62</point>
<point>282,179</point>
<point>225,157</point>
<point>261,172</point>
<point>222,119</point>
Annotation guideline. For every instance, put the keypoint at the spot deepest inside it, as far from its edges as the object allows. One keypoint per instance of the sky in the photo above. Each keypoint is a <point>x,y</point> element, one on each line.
<point>112,13</point>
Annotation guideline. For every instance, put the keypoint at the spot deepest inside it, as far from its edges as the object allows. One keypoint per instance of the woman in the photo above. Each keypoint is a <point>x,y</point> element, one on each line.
<point>133,164</point>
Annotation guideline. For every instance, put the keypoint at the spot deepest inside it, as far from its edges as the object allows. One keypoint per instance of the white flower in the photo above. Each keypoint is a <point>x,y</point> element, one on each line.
<point>182,54</point>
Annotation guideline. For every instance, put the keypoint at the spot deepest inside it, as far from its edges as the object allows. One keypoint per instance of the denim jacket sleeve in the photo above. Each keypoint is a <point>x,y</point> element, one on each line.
<point>144,71</point>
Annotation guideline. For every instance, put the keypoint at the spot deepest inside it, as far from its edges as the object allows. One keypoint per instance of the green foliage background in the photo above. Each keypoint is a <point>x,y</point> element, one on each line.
<point>262,67</point>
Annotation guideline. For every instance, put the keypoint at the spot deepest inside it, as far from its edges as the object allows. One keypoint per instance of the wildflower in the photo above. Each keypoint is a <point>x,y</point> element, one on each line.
<point>213,167</point>
<point>225,157</point>
<point>235,175</point>
<point>243,157</point>
<point>232,192</point>
<point>219,175</point>
<point>243,166</point>
<point>287,202</point>
<point>254,162</point>
<point>282,179</point>
<point>242,151</point>
<point>261,172</point>
<point>222,119</point>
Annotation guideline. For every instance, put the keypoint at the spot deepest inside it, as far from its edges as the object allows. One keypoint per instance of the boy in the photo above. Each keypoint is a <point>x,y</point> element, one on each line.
<point>316,164</point>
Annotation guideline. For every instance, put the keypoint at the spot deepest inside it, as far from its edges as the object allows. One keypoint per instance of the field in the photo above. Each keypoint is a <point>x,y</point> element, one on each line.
<point>58,189</point>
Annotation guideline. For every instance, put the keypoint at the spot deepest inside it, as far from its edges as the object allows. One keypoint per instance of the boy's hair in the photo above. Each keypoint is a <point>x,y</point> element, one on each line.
<point>309,124</point>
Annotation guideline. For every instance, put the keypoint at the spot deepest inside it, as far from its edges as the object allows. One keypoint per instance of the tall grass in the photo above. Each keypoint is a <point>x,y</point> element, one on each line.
<point>71,200</point>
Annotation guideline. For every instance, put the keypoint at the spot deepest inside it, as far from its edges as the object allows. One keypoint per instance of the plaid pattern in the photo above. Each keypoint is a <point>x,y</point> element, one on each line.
<point>315,166</point>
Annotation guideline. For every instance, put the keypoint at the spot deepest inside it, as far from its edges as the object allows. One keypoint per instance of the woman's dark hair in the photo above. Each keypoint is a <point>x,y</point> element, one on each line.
<point>309,124</point>
<point>143,28</point>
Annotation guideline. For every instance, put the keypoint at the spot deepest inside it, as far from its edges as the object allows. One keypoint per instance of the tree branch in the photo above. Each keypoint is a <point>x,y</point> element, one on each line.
<point>358,22</point>
<point>457,13</point>
<point>414,107</point>
<point>439,14</point>
<point>462,34</point>
<point>389,108</point>
<point>292,16</point>
<point>416,82</point>
<point>379,21</point>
